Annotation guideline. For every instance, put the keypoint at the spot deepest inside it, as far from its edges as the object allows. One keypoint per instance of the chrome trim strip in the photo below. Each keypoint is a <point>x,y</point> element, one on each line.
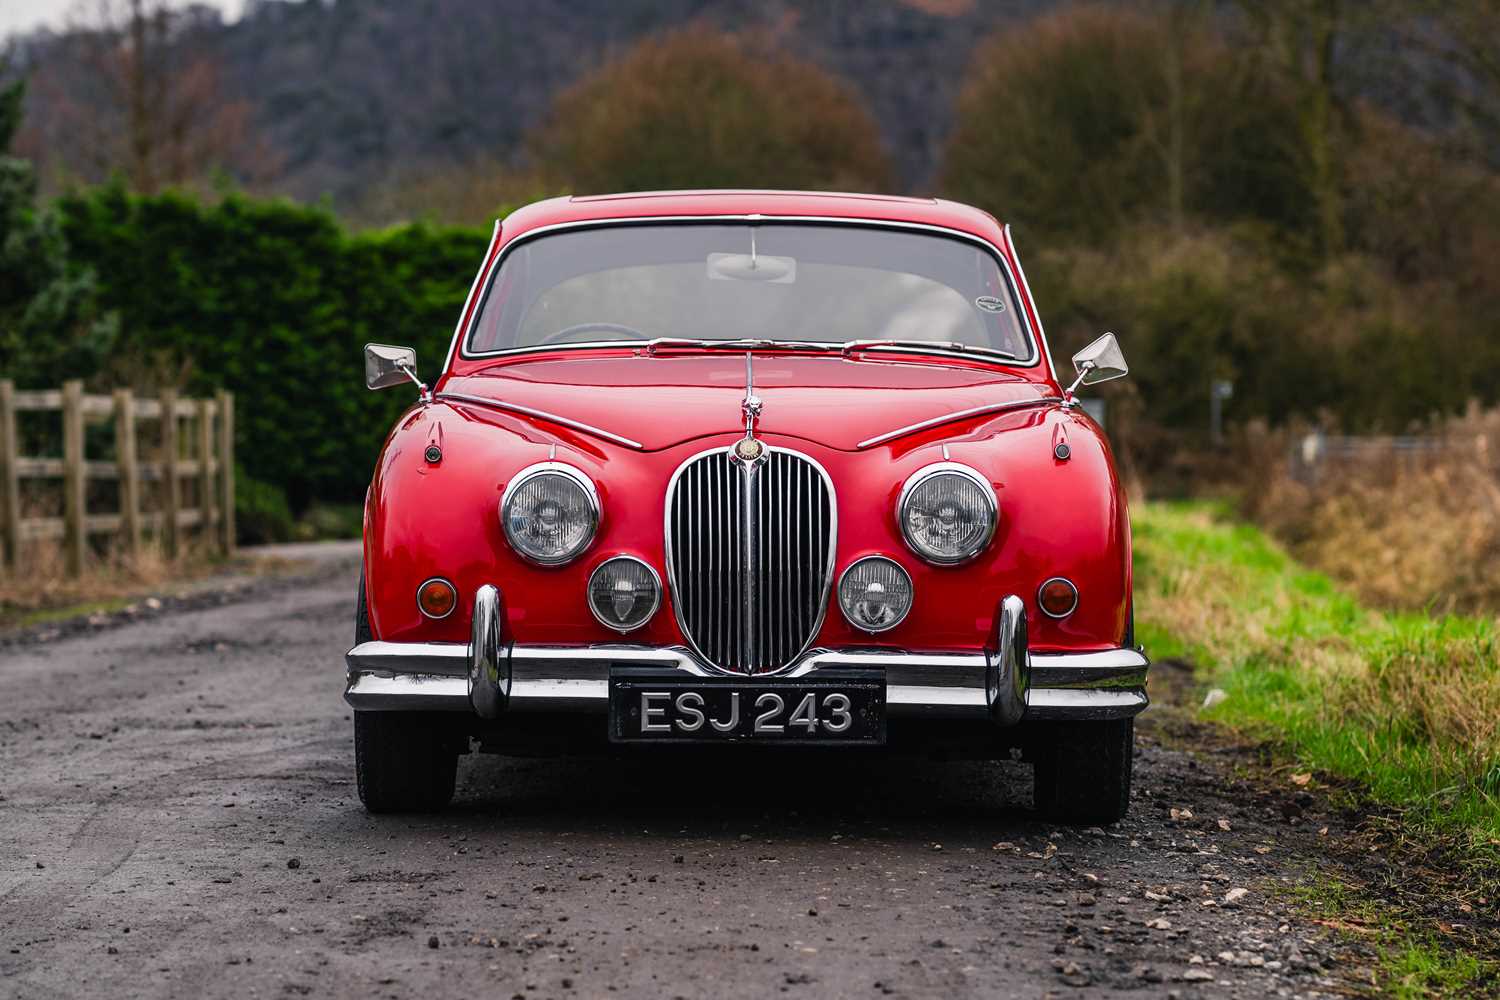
<point>655,604</point>
<point>1010,243</point>
<point>422,676</point>
<point>1049,704</point>
<point>1111,668</point>
<point>752,218</point>
<point>750,569</point>
<point>445,658</point>
<point>969,473</point>
<point>948,418</point>
<point>408,693</point>
<point>485,266</point>
<point>577,425</point>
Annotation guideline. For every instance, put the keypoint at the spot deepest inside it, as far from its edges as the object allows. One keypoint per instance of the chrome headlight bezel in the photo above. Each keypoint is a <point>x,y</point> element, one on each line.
<point>992,505</point>
<point>577,478</point>
<point>656,594</point>
<point>866,627</point>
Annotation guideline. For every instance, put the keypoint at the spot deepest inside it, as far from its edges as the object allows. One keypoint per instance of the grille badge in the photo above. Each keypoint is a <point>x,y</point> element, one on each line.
<point>748,449</point>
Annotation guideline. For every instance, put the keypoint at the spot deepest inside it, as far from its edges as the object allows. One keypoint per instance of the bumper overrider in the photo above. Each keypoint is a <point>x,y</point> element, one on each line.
<point>490,677</point>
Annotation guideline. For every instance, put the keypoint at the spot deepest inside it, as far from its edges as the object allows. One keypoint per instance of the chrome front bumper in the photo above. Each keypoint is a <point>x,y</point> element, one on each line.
<point>489,677</point>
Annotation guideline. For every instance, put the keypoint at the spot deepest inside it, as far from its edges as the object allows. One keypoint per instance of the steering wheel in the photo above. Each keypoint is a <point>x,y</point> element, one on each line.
<point>566,332</point>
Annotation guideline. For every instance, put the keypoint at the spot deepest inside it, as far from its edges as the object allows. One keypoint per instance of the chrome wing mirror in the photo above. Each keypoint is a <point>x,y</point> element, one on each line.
<point>1101,361</point>
<point>386,365</point>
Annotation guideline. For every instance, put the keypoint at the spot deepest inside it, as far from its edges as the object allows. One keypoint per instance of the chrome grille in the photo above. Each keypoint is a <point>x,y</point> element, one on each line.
<point>750,557</point>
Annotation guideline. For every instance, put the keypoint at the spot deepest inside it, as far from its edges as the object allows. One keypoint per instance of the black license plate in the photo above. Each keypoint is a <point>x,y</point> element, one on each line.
<point>647,706</point>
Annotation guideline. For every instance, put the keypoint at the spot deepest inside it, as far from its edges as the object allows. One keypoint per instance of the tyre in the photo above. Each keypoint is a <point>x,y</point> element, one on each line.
<point>402,762</point>
<point>1083,771</point>
<point>361,614</point>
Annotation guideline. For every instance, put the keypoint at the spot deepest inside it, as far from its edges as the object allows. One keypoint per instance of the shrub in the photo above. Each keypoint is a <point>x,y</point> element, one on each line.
<point>261,512</point>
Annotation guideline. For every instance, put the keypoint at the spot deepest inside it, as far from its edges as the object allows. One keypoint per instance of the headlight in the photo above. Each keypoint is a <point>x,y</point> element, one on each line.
<point>875,593</point>
<point>550,513</point>
<point>947,513</point>
<point>624,593</point>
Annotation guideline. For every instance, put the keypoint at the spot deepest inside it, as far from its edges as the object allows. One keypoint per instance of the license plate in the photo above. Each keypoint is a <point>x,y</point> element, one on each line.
<point>651,707</point>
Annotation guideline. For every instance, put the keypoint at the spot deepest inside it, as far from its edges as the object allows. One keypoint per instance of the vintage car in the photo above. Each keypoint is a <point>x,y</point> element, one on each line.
<point>752,469</point>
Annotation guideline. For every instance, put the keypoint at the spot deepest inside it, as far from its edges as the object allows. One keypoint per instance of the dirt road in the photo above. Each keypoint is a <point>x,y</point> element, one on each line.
<point>178,818</point>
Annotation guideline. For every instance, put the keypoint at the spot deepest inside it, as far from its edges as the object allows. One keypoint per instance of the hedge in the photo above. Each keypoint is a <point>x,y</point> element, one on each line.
<point>274,301</point>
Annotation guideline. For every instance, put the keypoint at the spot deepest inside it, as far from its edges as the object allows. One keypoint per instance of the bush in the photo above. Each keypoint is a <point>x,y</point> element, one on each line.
<point>699,109</point>
<point>274,301</point>
<point>261,513</point>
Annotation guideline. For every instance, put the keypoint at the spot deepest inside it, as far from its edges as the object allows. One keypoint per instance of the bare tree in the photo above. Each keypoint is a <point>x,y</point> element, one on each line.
<point>136,89</point>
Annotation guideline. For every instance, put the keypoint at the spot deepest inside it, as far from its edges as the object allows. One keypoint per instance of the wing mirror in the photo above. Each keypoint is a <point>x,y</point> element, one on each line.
<point>386,365</point>
<point>1101,361</point>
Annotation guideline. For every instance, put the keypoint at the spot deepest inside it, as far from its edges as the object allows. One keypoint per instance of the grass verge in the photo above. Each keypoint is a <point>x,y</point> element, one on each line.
<point>1399,711</point>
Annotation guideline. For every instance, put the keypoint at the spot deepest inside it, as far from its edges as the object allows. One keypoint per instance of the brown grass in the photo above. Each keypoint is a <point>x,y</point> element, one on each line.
<point>42,587</point>
<point>1403,530</point>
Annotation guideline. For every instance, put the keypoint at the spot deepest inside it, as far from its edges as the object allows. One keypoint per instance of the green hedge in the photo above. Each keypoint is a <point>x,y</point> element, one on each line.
<point>274,301</point>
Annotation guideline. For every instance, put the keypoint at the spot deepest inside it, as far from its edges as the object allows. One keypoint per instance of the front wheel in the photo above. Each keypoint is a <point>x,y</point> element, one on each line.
<point>402,762</point>
<point>1083,771</point>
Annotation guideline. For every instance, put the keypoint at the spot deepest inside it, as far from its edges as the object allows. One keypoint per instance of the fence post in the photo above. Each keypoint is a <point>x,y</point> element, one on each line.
<point>129,469</point>
<point>205,449</point>
<point>169,471</point>
<point>10,477</point>
<point>74,535</point>
<point>226,471</point>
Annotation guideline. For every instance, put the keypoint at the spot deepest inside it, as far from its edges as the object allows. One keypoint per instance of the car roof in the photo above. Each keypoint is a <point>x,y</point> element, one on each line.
<point>797,204</point>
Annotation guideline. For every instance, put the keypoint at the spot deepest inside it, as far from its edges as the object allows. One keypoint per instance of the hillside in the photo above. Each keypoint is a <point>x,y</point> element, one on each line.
<point>349,94</point>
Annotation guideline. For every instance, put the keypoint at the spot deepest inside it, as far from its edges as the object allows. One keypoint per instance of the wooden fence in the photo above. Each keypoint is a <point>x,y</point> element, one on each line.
<point>203,450</point>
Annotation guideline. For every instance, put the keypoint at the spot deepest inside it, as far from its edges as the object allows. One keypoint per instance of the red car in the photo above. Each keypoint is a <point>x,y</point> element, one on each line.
<point>747,468</point>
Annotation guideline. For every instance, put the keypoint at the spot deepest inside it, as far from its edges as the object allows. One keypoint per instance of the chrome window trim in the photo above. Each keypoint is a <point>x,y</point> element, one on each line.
<point>423,611</point>
<point>948,418</point>
<point>577,425</point>
<point>1041,586</point>
<point>939,468</point>
<point>458,347</point>
<point>655,605</point>
<point>485,268</point>
<point>833,539</point>
<point>544,468</point>
<point>1010,243</point>
<point>845,611</point>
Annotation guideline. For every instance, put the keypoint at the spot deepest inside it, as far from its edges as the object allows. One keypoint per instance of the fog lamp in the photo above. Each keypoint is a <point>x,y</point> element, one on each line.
<point>436,598</point>
<point>624,593</point>
<point>875,594</point>
<point>1057,597</point>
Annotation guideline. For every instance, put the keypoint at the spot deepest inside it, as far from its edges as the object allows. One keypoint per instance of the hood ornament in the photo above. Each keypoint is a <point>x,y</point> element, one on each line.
<point>749,448</point>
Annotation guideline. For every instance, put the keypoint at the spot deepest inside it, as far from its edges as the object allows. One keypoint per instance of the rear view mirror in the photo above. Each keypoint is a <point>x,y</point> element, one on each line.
<point>386,366</point>
<point>1101,361</point>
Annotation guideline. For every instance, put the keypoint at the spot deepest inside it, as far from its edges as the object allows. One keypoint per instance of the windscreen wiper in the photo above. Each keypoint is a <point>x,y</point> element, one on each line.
<point>744,344</point>
<point>926,345</point>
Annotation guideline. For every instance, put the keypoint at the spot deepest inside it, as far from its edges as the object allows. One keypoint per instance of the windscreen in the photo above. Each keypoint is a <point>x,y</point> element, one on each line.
<point>812,283</point>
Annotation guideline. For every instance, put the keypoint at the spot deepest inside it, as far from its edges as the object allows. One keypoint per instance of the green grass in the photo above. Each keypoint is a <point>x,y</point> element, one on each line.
<point>1397,709</point>
<point>1405,706</point>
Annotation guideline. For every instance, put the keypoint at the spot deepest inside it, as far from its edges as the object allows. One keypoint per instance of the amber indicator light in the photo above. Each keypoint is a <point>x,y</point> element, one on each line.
<point>1058,597</point>
<point>437,598</point>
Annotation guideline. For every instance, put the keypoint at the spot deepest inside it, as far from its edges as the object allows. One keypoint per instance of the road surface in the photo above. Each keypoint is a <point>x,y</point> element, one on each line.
<point>179,819</point>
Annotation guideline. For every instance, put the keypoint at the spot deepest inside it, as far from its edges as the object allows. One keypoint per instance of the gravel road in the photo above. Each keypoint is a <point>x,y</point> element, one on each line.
<point>178,818</point>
